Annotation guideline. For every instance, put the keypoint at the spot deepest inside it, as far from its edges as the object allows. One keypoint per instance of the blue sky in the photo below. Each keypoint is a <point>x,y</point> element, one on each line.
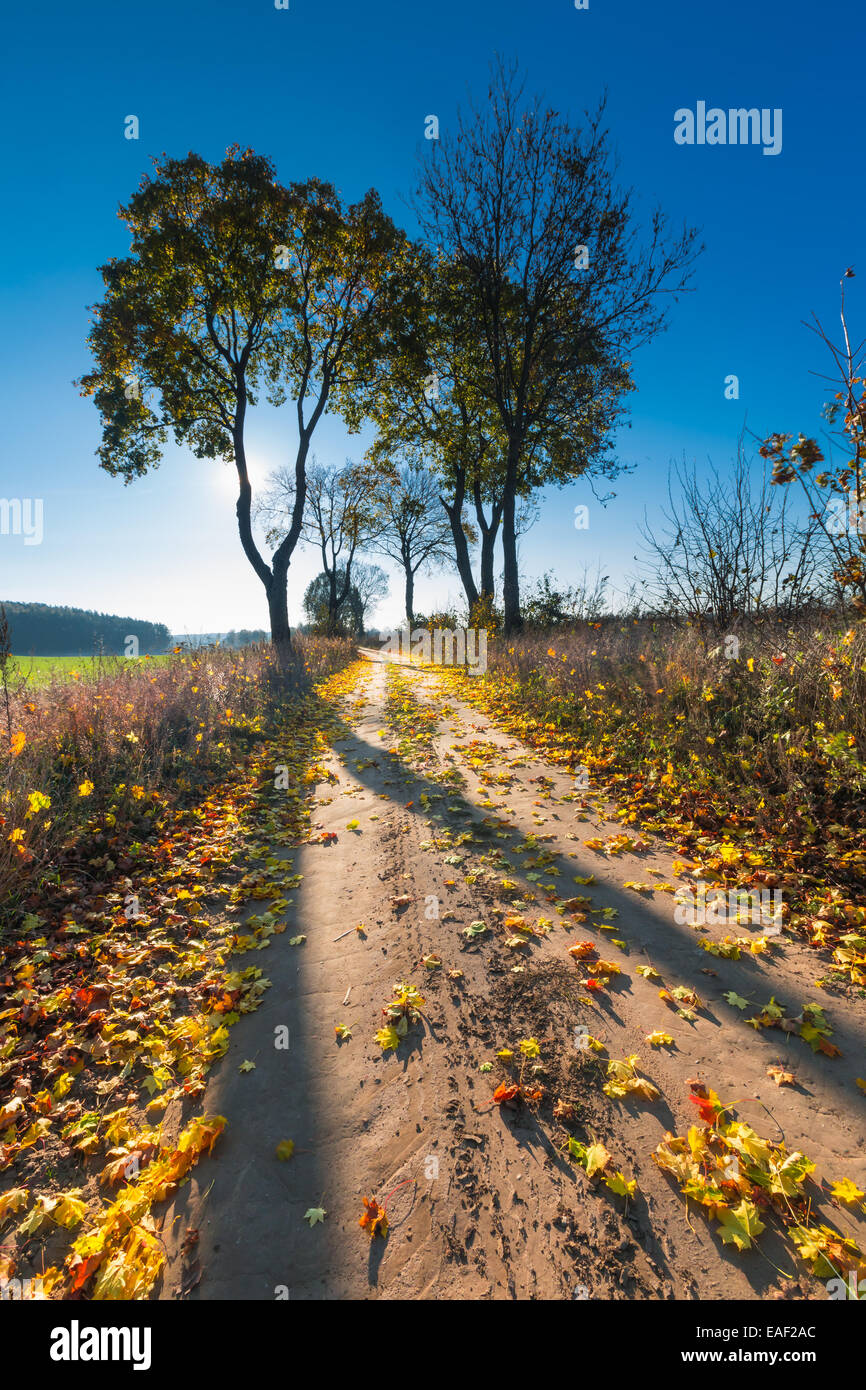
<point>341,90</point>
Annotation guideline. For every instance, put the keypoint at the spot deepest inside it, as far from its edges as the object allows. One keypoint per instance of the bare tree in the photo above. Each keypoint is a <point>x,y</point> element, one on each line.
<point>369,585</point>
<point>340,516</point>
<point>730,548</point>
<point>415,532</point>
<point>837,494</point>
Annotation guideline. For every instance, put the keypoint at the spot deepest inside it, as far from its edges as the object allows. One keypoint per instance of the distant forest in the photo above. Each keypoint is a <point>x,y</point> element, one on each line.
<point>39,629</point>
<point>245,637</point>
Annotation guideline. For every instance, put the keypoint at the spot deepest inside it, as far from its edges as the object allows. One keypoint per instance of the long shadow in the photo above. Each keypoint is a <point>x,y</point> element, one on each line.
<point>671,942</point>
<point>245,1207</point>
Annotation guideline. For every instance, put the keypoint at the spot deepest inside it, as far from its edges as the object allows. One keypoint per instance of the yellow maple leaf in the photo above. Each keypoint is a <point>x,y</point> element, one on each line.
<point>70,1210</point>
<point>597,1157</point>
<point>847,1191</point>
<point>13,1200</point>
<point>62,1085</point>
<point>619,1184</point>
<point>740,1225</point>
<point>388,1039</point>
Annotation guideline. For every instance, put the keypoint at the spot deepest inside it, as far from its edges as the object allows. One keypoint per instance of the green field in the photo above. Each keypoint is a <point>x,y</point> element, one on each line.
<point>40,670</point>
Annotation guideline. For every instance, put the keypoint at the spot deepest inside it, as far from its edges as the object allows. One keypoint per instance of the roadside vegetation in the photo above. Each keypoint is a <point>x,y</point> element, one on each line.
<point>752,765</point>
<point>96,765</point>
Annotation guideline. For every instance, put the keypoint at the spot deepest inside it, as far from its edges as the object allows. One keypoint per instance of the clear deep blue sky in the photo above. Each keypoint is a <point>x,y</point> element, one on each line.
<point>341,90</point>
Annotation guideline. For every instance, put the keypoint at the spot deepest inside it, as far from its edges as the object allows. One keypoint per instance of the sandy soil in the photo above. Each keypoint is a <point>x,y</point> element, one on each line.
<point>482,1202</point>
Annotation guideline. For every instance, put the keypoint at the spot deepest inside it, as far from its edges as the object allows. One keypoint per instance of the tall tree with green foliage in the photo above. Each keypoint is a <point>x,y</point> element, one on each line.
<point>561,283</point>
<point>430,415</point>
<point>236,286</point>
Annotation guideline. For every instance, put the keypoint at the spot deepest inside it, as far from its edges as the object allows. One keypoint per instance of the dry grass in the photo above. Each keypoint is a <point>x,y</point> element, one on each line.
<point>111,753</point>
<point>776,725</point>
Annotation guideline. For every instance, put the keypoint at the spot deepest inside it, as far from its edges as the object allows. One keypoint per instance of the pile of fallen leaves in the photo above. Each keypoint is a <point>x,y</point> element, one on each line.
<point>400,1013</point>
<point>744,1183</point>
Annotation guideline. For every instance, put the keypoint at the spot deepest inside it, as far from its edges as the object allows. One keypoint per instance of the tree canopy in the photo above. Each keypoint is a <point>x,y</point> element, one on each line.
<point>561,281</point>
<point>236,286</point>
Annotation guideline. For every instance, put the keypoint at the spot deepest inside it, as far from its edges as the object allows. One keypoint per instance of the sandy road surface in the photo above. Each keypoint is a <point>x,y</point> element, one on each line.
<point>482,1202</point>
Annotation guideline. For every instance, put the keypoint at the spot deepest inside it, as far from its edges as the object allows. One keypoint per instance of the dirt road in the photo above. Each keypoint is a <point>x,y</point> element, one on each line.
<point>457,824</point>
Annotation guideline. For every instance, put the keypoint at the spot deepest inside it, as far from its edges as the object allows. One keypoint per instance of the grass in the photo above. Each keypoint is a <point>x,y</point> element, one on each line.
<point>41,670</point>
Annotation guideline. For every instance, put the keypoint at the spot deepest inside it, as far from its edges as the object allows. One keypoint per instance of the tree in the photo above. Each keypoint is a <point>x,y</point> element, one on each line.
<point>730,549</point>
<point>40,629</point>
<point>546,606</point>
<point>837,494</point>
<point>317,607</point>
<point>415,532</point>
<point>341,515</point>
<point>235,284</point>
<point>350,617</point>
<point>369,585</point>
<point>559,283</point>
<point>428,412</point>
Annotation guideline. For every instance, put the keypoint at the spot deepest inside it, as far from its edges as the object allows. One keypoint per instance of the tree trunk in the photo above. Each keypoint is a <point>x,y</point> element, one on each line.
<point>277,585</point>
<point>487,548</point>
<point>332,600</point>
<point>410,597</point>
<point>278,608</point>
<point>243,507</point>
<point>511,579</point>
<point>454,512</point>
<point>274,577</point>
<point>489,532</point>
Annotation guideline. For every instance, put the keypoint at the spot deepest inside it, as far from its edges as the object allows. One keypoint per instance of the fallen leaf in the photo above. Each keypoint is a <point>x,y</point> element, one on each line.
<point>781,1077</point>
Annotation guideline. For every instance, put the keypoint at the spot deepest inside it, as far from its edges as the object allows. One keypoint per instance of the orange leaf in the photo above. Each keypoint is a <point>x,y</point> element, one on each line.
<point>505,1092</point>
<point>374,1217</point>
